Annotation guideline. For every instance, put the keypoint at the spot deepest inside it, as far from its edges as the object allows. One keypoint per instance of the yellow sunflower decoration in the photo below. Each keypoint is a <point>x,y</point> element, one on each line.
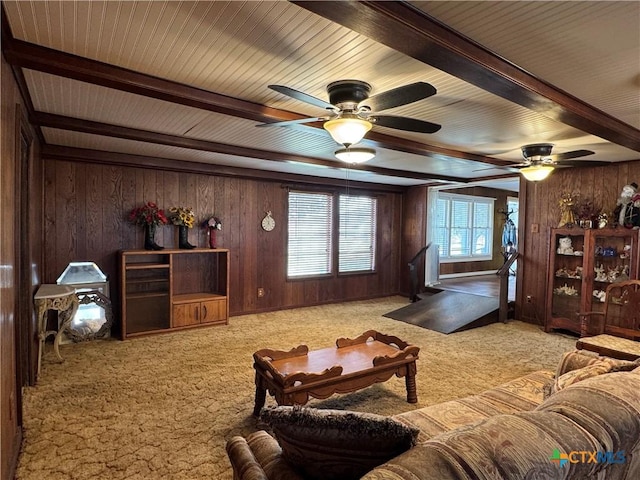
<point>182,216</point>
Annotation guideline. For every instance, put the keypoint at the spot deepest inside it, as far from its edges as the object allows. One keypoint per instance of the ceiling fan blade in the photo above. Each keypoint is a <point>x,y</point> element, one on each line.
<point>582,163</point>
<point>568,155</point>
<point>404,123</point>
<point>502,167</point>
<point>304,97</point>
<point>286,123</point>
<point>399,96</point>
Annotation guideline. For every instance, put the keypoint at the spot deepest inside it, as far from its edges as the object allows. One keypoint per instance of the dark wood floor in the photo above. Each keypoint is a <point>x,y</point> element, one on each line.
<point>485,285</point>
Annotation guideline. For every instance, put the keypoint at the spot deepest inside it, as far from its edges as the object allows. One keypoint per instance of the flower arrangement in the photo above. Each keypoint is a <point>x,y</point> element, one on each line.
<point>148,214</point>
<point>182,216</point>
<point>212,222</point>
<point>587,210</point>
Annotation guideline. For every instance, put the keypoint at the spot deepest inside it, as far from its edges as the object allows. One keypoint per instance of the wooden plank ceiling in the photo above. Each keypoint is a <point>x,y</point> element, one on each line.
<point>187,81</point>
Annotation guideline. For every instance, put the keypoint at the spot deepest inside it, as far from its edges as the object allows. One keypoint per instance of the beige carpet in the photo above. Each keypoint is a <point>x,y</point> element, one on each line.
<point>162,407</point>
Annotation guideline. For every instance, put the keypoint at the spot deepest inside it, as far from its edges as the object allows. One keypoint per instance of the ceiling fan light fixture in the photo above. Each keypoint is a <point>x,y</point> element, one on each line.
<point>536,173</point>
<point>355,155</point>
<point>347,130</point>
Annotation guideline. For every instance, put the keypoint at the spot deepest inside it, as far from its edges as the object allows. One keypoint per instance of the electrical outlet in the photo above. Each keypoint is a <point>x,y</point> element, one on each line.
<point>260,292</point>
<point>529,298</point>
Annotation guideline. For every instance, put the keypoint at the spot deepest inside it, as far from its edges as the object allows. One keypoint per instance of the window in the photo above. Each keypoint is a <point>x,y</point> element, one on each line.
<point>312,234</point>
<point>463,227</point>
<point>310,226</point>
<point>357,240</point>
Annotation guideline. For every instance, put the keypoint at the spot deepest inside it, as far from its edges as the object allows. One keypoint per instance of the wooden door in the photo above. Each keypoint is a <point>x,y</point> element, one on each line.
<point>213,311</point>
<point>185,314</point>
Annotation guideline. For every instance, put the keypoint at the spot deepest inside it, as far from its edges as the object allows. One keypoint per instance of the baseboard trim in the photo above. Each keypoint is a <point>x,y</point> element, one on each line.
<point>468,274</point>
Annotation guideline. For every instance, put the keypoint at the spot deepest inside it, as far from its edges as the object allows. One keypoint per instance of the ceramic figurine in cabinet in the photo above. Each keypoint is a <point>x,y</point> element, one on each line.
<point>565,246</point>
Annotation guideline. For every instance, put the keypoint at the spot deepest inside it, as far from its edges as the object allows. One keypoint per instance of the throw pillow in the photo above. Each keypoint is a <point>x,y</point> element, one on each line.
<point>337,444</point>
<point>596,366</point>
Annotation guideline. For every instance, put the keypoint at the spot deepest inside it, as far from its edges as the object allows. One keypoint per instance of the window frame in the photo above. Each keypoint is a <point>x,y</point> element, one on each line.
<point>471,200</point>
<point>330,258</point>
<point>374,238</point>
<point>334,254</point>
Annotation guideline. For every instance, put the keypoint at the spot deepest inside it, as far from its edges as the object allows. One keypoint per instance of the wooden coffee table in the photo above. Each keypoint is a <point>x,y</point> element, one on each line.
<point>291,377</point>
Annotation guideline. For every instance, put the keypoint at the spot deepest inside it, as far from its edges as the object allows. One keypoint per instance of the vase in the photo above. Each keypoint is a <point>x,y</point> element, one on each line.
<point>183,238</point>
<point>149,238</point>
<point>212,237</point>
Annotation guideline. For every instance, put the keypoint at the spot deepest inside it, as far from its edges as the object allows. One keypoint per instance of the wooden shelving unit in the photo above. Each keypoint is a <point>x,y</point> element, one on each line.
<point>172,289</point>
<point>573,279</point>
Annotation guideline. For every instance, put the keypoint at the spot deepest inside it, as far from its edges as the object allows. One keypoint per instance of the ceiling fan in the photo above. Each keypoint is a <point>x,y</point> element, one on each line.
<point>352,112</point>
<point>539,162</point>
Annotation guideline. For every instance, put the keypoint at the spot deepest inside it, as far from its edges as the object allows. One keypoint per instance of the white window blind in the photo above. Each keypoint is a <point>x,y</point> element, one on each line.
<point>464,227</point>
<point>357,240</point>
<point>310,227</point>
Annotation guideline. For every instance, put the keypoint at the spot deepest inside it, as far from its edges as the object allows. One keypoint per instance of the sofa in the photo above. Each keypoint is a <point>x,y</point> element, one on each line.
<point>580,422</point>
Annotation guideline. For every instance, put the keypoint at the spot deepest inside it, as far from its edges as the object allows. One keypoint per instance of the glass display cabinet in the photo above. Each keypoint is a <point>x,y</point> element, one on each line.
<point>582,263</point>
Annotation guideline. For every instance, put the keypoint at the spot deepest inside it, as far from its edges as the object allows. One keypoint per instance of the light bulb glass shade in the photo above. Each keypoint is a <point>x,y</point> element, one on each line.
<point>535,173</point>
<point>347,130</point>
<point>355,155</point>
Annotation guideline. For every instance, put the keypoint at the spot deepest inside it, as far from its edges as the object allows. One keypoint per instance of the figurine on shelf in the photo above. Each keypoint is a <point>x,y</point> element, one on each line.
<point>565,246</point>
<point>600,295</point>
<point>566,290</point>
<point>626,252</point>
<point>618,274</point>
<point>601,276</point>
<point>577,273</point>
<point>567,214</point>
<point>627,211</point>
<point>603,220</point>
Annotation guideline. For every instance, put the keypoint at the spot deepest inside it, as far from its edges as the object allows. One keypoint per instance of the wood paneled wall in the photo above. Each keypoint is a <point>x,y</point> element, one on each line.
<point>541,212</point>
<point>20,264</point>
<point>414,234</point>
<point>86,220</point>
<point>8,263</point>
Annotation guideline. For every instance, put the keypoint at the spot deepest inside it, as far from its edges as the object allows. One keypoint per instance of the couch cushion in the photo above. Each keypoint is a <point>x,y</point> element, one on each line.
<point>336,444</point>
<point>516,446</point>
<point>607,405</point>
<point>521,394</point>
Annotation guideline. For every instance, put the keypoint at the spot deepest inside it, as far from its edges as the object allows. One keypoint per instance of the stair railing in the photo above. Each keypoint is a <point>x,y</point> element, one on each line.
<point>503,272</point>
<point>413,273</point>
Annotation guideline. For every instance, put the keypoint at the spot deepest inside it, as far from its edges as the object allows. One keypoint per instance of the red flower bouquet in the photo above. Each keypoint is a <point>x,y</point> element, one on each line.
<point>148,214</point>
